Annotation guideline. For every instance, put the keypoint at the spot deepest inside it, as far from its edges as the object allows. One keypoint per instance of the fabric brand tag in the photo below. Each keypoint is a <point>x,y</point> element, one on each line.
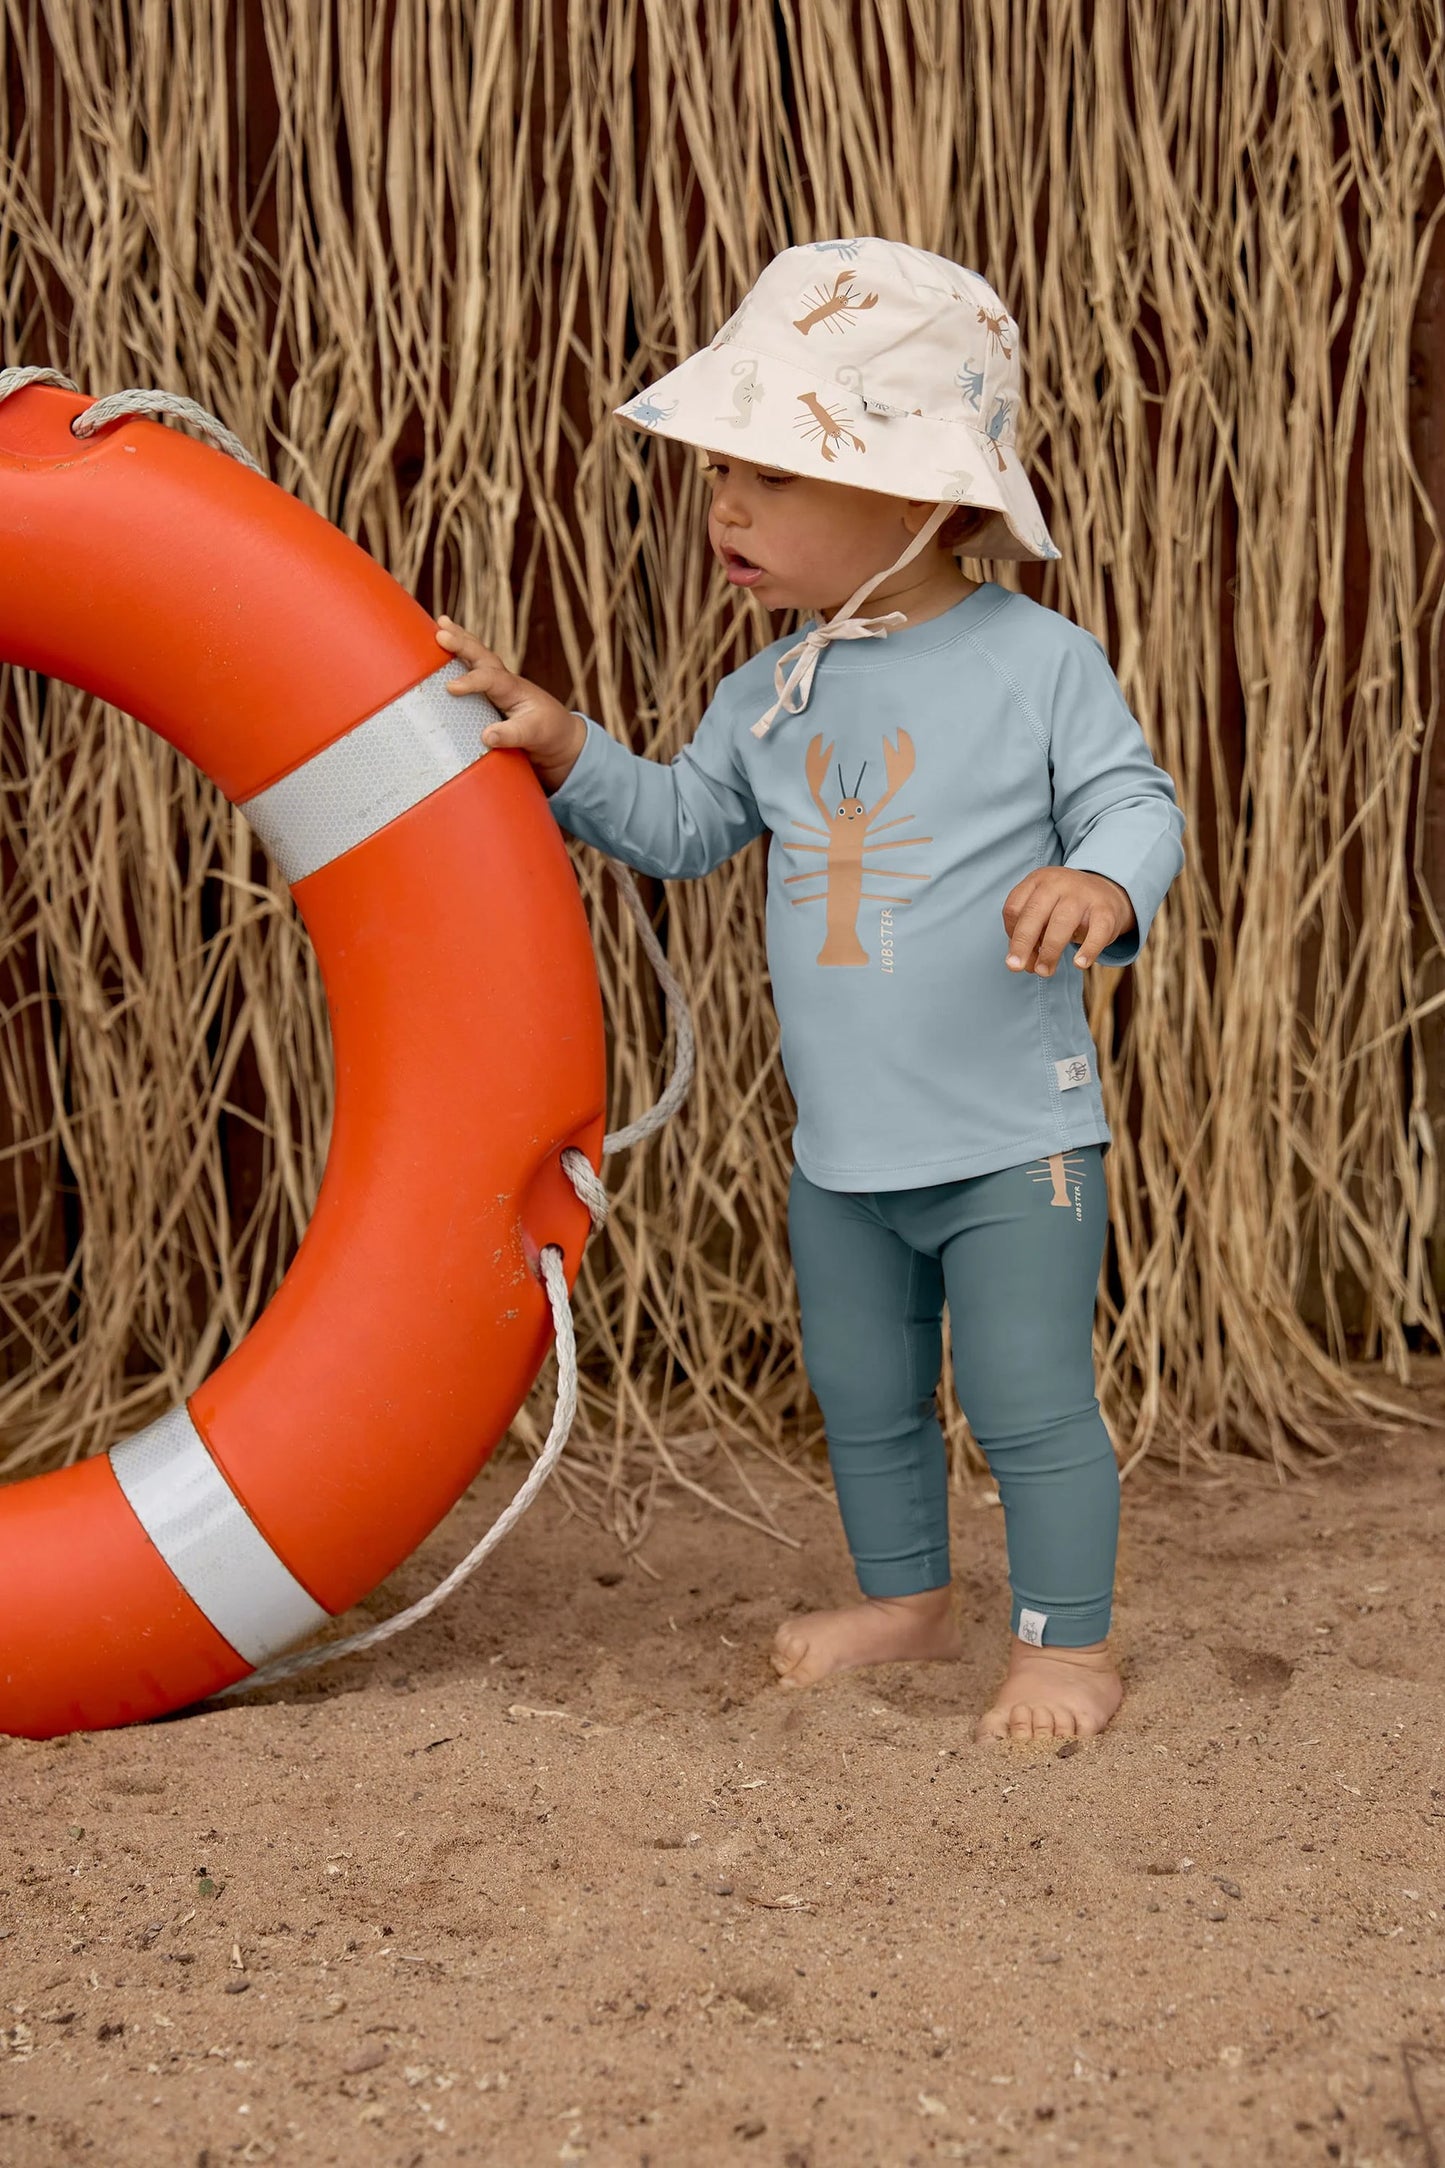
<point>1031,1627</point>
<point>1073,1069</point>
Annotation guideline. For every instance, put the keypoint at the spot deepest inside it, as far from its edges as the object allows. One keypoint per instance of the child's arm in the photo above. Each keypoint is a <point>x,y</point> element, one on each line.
<point>675,822</point>
<point>1115,811</point>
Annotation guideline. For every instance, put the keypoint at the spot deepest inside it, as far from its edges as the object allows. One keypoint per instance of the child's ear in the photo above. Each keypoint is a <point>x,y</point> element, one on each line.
<point>961,526</point>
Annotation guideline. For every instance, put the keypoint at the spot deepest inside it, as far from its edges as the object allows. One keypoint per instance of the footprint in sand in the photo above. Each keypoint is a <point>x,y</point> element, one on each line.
<point>1254,1671</point>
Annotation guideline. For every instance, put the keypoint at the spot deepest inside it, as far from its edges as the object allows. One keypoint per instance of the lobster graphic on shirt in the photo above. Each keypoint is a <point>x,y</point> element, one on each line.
<point>850,832</point>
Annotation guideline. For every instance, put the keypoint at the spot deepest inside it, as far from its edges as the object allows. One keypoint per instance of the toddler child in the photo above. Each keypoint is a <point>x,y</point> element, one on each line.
<point>968,753</point>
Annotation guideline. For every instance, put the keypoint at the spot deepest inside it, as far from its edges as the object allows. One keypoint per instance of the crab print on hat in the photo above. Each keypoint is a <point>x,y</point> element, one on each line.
<point>998,430</point>
<point>648,411</point>
<point>970,382</point>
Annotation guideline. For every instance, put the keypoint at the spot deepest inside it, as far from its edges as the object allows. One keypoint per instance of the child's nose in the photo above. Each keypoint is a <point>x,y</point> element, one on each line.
<point>725,503</point>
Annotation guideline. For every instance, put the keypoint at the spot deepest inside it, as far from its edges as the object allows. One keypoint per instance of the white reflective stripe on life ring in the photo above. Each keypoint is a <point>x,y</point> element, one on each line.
<point>380,769</point>
<point>209,1540</point>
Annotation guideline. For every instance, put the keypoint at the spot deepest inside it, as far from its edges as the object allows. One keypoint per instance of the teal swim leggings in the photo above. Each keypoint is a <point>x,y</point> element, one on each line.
<point>1016,1254</point>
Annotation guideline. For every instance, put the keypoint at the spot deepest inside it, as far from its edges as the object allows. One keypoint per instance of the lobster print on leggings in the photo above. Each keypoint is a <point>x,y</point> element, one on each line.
<point>1060,1173</point>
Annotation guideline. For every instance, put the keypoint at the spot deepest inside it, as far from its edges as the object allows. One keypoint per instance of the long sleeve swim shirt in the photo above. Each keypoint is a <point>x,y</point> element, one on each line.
<point>932,768</point>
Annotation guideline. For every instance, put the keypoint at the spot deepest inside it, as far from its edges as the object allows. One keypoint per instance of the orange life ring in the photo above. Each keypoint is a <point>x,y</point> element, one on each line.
<point>467,1031</point>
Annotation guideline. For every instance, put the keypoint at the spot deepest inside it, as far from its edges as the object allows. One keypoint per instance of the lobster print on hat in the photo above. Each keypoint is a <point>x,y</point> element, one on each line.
<point>849,823</point>
<point>834,305</point>
<point>829,428</point>
<point>998,330</point>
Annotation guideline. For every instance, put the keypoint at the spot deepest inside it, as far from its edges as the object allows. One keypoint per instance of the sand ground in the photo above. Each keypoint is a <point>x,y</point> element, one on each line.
<point>563,1876</point>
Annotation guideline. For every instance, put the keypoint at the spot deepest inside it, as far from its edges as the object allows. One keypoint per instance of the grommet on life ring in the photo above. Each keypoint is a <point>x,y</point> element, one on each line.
<point>466,1024</point>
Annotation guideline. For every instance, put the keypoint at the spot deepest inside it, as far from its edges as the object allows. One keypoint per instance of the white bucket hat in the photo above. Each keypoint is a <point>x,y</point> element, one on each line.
<point>875,364</point>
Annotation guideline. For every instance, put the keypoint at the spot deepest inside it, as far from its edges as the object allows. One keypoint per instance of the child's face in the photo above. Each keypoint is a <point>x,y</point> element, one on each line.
<point>817,542</point>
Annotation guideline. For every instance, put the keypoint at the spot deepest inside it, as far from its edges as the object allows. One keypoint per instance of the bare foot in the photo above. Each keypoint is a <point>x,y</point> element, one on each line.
<point>1053,1694</point>
<point>879,1630</point>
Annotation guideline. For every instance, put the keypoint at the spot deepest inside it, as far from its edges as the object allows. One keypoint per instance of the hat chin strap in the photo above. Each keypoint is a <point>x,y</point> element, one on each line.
<point>845,626</point>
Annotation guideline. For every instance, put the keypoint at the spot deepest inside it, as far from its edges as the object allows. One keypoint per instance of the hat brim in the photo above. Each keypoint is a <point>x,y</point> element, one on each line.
<point>783,417</point>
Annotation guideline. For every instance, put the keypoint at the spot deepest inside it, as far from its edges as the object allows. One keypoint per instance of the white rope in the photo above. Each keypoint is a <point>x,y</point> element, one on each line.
<point>286,1667</point>
<point>172,403</point>
<point>681,1077</point>
<point>17,379</point>
<point>590,1189</point>
<point>137,401</point>
<point>583,1176</point>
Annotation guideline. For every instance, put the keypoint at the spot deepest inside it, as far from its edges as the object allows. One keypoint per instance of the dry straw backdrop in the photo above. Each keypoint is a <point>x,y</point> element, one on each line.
<point>413,254</point>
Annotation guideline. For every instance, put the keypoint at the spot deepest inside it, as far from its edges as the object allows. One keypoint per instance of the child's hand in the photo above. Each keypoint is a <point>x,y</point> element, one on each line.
<point>1054,905</point>
<point>547,733</point>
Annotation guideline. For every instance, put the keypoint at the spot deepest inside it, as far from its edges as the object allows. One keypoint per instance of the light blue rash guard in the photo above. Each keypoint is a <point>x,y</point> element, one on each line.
<point>931,769</point>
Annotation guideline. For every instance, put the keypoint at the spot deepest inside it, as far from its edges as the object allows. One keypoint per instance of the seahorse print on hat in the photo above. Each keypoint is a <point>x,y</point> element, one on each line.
<point>847,834</point>
<point>746,396</point>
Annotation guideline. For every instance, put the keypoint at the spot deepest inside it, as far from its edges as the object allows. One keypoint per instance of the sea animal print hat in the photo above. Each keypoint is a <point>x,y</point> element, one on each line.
<point>872,363</point>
